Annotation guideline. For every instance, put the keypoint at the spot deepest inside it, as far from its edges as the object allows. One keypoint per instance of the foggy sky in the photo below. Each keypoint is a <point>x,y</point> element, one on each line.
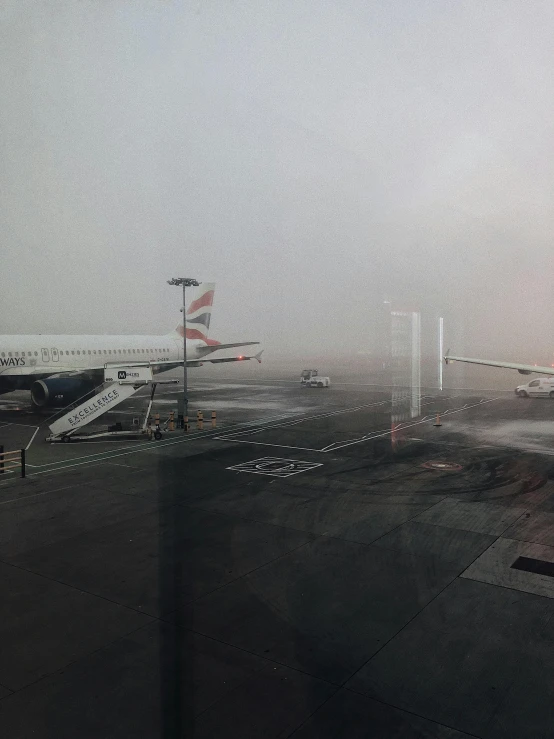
<point>313,157</point>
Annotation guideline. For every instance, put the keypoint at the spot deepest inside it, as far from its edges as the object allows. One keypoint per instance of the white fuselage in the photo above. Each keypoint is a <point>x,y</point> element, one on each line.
<point>39,355</point>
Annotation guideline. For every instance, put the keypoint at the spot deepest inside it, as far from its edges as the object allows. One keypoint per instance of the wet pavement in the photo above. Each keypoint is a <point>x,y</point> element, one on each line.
<point>319,565</point>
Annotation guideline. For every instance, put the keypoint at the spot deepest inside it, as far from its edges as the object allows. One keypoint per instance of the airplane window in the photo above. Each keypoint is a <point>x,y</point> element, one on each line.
<point>16,354</point>
<point>109,351</point>
<point>36,354</point>
<point>67,352</point>
<point>9,354</point>
<point>72,352</point>
<point>3,354</point>
<point>89,351</point>
<point>22,354</point>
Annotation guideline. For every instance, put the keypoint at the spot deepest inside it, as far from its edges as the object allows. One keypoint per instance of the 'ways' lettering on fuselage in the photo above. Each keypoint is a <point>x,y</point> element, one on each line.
<point>12,362</point>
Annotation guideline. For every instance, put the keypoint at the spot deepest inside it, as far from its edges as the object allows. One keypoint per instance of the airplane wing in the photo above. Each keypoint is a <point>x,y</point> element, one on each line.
<point>203,350</point>
<point>523,369</point>
<point>157,366</point>
<point>162,366</point>
<point>240,358</point>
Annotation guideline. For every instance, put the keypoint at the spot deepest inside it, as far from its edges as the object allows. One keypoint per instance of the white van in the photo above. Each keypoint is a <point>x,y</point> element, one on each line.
<point>542,387</point>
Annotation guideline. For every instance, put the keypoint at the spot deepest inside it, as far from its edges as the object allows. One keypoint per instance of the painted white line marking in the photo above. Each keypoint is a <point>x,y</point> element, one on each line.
<point>35,495</point>
<point>340,445</point>
<point>53,467</point>
<point>426,419</point>
<point>152,446</point>
<point>25,425</point>
<point>286,424</point>
<point>279,446</point>
<point>32,438</point>
<point>303,419</point>
<point>104,457</point>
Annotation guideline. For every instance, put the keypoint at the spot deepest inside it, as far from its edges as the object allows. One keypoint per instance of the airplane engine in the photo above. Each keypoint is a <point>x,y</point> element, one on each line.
<point>57,392</point>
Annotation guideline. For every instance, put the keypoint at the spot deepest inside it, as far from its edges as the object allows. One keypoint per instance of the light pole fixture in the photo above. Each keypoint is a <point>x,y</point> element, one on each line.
<point>184,282</point>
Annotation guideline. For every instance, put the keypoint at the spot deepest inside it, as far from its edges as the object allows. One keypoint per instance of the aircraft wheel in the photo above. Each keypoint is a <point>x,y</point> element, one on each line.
<point>157,435</point>
<point>66,439</point>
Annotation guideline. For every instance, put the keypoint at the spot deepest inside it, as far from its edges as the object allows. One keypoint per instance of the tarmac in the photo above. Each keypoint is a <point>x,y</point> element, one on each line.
<point>320,565</point>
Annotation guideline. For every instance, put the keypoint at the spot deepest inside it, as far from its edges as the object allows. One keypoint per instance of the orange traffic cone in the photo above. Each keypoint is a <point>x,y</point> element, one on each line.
<point>438,421</point>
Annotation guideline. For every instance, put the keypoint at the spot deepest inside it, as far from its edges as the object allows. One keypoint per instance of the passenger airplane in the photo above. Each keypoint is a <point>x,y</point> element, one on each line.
<point>523,369</point>
<point>59,369</point>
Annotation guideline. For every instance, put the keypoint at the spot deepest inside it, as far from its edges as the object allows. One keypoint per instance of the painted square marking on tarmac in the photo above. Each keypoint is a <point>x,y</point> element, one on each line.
<point>275,466</point>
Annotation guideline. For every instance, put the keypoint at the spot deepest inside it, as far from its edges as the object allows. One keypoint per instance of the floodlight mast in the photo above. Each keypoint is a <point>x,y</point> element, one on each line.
<point>184,282</point>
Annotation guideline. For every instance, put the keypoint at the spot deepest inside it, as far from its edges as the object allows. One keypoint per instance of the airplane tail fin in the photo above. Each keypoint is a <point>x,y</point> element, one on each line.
<point>198,315</point>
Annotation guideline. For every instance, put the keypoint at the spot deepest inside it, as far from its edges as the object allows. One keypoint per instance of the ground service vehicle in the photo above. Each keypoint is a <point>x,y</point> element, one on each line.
<point>310,378</point>
<point>319,382</point>
<point>306,375</point>
<point>542,387</point>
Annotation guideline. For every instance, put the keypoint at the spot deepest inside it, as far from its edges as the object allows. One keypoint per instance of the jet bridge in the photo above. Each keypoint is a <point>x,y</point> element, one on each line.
<point>120,383</point>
